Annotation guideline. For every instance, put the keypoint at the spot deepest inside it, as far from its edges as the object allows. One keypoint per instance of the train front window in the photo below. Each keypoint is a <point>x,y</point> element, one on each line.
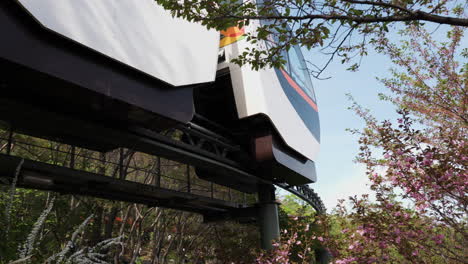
<point>297,68</point>
<point>295,65</point>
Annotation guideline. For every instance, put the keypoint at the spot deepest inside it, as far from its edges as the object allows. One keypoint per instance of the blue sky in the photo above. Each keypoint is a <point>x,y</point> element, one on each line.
<point>338,175</point>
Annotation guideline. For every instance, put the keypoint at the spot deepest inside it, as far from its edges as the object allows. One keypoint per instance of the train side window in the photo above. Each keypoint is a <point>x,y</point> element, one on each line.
<point>295,65</point>
<point>299,72</point>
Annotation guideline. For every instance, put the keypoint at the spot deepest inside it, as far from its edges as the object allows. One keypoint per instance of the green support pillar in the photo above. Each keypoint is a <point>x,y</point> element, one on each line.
<point>268,216</point>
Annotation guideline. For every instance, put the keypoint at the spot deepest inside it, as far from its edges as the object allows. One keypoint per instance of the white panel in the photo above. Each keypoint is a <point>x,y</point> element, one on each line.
<point>285,118</point>
<point>138,33</point>
<point>260,92</point>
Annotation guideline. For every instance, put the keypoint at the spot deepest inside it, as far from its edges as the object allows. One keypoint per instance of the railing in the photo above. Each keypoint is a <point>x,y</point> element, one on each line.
<point>144,168</point>
<point>307,194</point>
<point>120,163</point>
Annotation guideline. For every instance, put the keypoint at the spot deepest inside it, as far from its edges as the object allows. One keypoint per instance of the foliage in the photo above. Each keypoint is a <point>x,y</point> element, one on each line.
<point>232,243</point>
<point>293,248</point>
<point>159,235</point>
<point>292,205</point>
<point>26,250</point>
<point>148,234</point>
<point>334,27</point>
<point>417,167</point>
<point>301,235</point>
<point>73,252</point>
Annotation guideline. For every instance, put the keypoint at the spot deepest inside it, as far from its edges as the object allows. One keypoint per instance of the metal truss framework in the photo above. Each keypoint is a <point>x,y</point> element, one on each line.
<point>221,146</point>
<point>189,144</point>
<point>307,194</point>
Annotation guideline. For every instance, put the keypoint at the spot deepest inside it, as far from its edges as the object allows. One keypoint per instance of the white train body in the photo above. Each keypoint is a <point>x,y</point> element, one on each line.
<point>261,92</point>
<point>141,37</point>
<point>283,96</point>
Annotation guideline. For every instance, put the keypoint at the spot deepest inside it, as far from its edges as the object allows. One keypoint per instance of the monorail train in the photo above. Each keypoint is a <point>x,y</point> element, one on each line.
<point>130,63</point>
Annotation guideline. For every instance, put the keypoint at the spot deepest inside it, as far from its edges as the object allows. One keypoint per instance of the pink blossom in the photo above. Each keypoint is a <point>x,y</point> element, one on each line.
<point>438,239</point>
<point>427,162</point>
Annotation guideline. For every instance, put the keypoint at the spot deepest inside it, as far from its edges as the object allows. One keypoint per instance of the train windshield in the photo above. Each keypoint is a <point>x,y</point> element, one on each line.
<point>297,68</point>
<point>296,65</point>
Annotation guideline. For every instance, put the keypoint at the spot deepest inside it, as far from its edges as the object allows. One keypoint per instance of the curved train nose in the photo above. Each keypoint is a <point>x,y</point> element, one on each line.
<point>286,142</point>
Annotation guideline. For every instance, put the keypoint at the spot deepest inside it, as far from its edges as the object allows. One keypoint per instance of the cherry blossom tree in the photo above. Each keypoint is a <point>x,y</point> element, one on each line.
<point>417,165</point>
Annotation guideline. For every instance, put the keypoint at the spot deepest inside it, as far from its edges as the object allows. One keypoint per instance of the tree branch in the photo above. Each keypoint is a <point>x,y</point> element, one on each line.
<point>413,16</point>
<point>382,4</point>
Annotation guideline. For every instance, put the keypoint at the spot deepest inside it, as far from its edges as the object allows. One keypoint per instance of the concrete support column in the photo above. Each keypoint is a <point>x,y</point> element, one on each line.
<point>268,216</point>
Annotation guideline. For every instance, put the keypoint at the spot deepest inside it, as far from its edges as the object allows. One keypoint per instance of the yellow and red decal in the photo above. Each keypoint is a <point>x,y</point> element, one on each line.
<point>231,35</point>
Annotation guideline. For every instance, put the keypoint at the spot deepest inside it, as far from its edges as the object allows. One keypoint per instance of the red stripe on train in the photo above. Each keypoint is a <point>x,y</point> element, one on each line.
<point>299,90</point>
